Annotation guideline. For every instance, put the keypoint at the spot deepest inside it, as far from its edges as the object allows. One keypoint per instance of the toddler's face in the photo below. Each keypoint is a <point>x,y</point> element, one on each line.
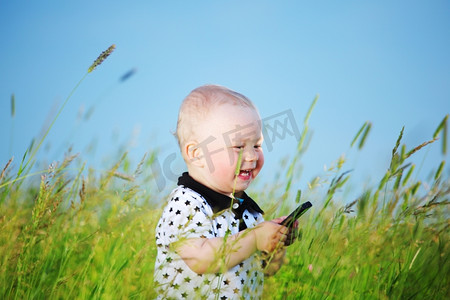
<point>227,131</point>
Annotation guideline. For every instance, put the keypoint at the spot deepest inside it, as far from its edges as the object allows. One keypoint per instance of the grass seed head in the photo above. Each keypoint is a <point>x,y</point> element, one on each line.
<point>101,58</point>
<point>5,168</point>
<point>13,105</point>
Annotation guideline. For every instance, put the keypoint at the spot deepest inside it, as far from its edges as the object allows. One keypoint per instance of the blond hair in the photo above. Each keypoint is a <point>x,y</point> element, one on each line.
<point>196,106</point>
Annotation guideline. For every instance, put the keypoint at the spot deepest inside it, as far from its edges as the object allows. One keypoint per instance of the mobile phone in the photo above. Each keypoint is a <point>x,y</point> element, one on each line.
<point>290,220</point>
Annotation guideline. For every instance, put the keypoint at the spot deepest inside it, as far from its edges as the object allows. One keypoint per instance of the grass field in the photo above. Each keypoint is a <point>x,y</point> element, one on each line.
<point>70,232</point>
<point>78,234</point>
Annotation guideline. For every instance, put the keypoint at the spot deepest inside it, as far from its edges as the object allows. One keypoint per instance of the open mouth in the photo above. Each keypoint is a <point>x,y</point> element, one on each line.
<point>245,174</point>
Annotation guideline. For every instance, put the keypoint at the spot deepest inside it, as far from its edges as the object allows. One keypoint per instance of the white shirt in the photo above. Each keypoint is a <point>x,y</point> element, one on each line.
<point>189,214</point>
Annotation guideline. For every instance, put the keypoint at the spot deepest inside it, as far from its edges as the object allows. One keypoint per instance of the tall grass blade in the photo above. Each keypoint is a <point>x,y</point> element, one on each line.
<point>438,173</point>
<point>408,175</point>
<point>31,159</point>
<point>299,195</point>
<point>13,113</point>
<point>13,105</point>
<point>358,133</point>
<point>5,168</point>
<point>364,136</point>
<point>414,150</point>
<point>300,147</point>
<point>311,107</point>
<point>236,172</point>
<point>443,126</point>
<point>397,143</point>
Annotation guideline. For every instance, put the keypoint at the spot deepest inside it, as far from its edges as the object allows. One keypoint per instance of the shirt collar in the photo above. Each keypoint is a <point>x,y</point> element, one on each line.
<point>218,201</point>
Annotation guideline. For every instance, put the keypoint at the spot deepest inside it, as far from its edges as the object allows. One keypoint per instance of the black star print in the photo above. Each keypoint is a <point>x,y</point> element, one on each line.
<point>234,224</point>
<point>219,225</point>
<point>176,199</point>
<point>187,202</point>
<point>169,259</point>
<point>246,217</point>
<point>171,223</point>
<point>242,281</point>
<point>179,270</point>
<point>190,217</point>
<point>199,224</point>
<point>223,298</point>
<point>226,282</point>
<point>184,295</point>
<point>166,276</point>
<point>171,209</point>
<point>178,212</point>
<point>236,273</point>
<point>197,209</point>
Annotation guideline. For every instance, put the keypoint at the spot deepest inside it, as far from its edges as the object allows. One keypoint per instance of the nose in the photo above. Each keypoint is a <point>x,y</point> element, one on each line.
<point>250,154</point>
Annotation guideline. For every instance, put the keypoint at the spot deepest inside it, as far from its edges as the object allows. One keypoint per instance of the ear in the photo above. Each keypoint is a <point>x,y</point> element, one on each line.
<point>193,154</point>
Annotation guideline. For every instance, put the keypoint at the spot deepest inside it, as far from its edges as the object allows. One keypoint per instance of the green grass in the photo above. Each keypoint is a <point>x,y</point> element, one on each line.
<point>79,234</point>
<point>70,232</point>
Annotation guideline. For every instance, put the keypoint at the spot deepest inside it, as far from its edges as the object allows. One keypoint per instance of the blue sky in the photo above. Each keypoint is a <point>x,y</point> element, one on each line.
<point>387,62</point>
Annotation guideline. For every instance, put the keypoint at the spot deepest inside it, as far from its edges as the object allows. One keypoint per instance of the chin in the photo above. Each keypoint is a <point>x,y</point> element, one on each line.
<point>243,186</point>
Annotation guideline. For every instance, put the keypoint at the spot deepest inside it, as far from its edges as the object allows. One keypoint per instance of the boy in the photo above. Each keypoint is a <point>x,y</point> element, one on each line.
<point>211,234</point>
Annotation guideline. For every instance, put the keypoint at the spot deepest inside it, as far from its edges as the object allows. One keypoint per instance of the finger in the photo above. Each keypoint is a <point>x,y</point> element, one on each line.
<point>284,230</point>
<point>283,237</point>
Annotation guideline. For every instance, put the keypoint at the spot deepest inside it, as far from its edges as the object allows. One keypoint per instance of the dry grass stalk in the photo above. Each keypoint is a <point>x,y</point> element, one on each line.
<point>420,147</point>
<point>5,168</point>
<point>83,191</point>
<point>123,176</point>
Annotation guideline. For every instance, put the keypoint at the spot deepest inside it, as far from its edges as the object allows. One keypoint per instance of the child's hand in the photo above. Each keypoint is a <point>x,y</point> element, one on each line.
<point>270,236</point>
<point>292,233</point>
<point>272,262</point>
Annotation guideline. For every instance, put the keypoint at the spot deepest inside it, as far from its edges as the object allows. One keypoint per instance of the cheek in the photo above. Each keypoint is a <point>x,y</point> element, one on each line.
<point>223,163</point>
<point>260,162</point>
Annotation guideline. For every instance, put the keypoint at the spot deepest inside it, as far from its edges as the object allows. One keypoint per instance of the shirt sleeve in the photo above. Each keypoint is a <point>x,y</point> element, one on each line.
<point>185,216</point>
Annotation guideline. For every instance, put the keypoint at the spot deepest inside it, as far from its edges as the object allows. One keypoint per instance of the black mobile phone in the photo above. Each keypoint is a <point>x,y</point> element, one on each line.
<point>289,221</point>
